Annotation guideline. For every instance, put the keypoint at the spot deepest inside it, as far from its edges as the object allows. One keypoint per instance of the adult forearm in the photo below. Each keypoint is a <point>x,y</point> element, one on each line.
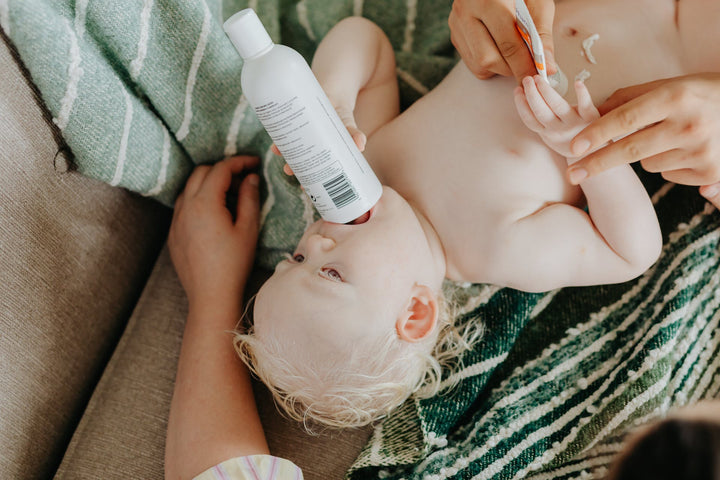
<point>213,415</point>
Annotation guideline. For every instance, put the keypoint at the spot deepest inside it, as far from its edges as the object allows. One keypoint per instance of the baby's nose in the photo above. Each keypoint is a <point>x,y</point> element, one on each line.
<point>320,242</point>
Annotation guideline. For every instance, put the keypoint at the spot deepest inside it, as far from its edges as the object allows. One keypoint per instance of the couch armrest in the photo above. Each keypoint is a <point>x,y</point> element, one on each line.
<point>74,256</point>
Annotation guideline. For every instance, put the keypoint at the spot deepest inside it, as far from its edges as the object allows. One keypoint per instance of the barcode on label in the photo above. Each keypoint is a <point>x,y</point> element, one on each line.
<point>340,190</point>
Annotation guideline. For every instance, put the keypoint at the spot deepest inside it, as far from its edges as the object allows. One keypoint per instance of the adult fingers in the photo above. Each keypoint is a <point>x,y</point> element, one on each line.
<point>482,57</point>
<point>624,95</point>
<point>469,37</point>
<point>685,176</point>
<point>711,193</point>
<point>638,113</point>
<point>543,14</point>
<point>196,179</point>
<point>179,202</point>
<point>248,206</point>
<point>666,161</point>
<point>500,23</point>
<point>642,144</point>
<point>217,181</point>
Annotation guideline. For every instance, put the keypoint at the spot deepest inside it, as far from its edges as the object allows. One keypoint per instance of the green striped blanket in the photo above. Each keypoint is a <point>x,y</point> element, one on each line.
<point>144,89</point>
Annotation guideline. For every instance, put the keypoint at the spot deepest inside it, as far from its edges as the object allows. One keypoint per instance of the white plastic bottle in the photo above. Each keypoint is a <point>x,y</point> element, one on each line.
<point>295,111</point>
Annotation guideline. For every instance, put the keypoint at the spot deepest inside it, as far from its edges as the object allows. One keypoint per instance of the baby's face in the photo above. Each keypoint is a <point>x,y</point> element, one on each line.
<point>348,282</point>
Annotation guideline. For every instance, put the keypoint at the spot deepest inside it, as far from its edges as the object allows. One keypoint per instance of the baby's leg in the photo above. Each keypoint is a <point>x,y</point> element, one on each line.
<point>355,65</point>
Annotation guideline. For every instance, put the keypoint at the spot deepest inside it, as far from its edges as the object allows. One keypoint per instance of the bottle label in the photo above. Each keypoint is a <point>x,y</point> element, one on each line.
<point>313,141</point>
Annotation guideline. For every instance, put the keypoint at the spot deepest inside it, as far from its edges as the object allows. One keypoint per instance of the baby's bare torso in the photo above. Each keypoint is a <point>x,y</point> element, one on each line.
<point>462,156</point>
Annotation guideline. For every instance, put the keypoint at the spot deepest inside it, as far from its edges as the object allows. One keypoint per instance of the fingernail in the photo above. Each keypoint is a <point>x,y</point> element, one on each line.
<point>254,180</point>
<point>577,175</point>
<point>710,191</point>
<point>580,147</point>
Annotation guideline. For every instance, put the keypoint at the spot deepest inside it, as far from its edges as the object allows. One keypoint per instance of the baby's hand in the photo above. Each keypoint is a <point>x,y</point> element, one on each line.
<point>548,114</point>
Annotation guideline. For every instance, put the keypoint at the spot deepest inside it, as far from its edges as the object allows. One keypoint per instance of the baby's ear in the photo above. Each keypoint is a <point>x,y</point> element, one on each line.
<point>420,316</point>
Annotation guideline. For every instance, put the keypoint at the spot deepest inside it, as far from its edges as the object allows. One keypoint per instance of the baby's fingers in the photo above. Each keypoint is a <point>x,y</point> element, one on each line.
<point>526,115</point>
<point>542,111</point>
<point>560,107</point>
<point>358,137</point>
<point>586,108</point>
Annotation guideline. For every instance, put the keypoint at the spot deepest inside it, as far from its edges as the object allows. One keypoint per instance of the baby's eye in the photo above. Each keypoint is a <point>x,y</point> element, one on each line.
<point>298,258</point>
<point>332,274</point>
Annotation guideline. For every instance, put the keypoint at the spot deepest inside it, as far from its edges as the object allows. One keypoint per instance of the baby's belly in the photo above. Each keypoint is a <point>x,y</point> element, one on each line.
<point>616,43</point>
<point>472,169</point>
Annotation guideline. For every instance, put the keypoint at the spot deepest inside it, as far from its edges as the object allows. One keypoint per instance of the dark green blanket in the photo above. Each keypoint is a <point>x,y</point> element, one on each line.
<point>143,90</point>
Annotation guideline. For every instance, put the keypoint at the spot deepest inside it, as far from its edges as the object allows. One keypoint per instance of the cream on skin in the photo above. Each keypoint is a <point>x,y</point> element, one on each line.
<point>493,193</point>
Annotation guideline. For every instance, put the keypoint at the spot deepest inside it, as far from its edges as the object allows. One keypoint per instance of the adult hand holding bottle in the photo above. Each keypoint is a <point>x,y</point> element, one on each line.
<point>484,33</point>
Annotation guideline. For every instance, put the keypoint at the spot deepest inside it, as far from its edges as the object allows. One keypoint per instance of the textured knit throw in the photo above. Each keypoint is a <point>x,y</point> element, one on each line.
<point>142,90</point>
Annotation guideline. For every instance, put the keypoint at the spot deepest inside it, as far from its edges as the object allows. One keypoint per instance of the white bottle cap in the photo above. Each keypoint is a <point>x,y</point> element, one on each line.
<point>247,33</point>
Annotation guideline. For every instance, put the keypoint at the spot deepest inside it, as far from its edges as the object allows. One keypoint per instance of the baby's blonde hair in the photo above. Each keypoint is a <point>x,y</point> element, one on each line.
<point>376,376</point>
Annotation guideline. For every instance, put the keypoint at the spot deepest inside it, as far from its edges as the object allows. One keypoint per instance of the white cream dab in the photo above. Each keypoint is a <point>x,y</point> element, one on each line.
<point>559,82</point>
<point>587,44</point>
<point>582,76</point>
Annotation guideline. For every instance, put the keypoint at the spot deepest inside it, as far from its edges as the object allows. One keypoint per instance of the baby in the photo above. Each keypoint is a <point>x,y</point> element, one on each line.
<point>344,330</point>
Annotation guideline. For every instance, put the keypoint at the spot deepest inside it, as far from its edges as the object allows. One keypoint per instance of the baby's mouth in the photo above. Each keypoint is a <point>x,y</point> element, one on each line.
<point>362,218</point>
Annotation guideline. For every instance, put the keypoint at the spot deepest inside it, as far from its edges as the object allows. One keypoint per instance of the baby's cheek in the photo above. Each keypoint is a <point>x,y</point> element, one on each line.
<point>269,305</point>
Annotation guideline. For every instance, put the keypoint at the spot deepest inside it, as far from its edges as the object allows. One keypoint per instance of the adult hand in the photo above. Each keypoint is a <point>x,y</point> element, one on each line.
<point>484,33</point>
<point>213,254</point>
<point>672,126</point>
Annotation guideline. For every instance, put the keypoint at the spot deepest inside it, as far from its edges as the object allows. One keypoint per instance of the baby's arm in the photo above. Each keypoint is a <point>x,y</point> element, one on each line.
<point>561,245</point>
<point>355,64</point>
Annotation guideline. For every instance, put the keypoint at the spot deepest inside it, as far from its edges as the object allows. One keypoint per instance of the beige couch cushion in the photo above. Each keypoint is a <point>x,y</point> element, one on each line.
<point>122,434</point>
<point>74,256</point>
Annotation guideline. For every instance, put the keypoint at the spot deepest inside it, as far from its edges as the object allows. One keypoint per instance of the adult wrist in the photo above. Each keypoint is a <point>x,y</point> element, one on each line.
<point>217,304</point>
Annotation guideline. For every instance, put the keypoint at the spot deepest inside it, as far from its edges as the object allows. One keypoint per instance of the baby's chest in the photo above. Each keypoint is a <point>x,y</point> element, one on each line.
<point>472,166</point>
<point>474,218</point>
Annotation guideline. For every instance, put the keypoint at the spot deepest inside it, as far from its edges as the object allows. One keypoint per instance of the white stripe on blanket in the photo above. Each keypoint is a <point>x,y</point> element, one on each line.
<point>122,152</point>
<point>75,72</point>
<point>184,129</point>
<point>137,64</point>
